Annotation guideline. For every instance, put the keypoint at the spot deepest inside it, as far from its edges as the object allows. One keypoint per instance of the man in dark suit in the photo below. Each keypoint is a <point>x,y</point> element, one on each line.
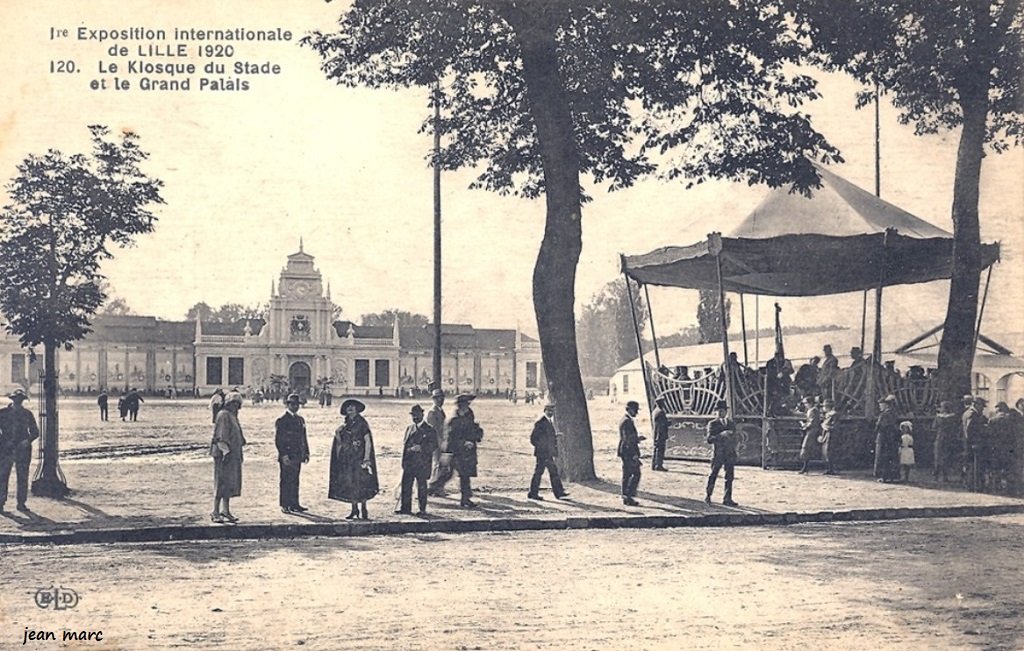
<point>722,436</point>
<point>545,448</point>
<point>18,430</point>
<point>292,452</point>
<point>629,452</point>
<point>975,435</point>
<point>103,401</point>
<point>659,419</point>
<point>418,448</point>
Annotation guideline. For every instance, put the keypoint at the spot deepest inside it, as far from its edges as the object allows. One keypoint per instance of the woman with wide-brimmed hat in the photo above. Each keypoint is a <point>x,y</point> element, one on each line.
<point>226,450</point>
<point>353,476</point>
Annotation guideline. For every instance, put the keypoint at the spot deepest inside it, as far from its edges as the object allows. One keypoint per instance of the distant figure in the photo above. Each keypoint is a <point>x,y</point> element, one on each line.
<point>216,402</point>
<point>226,450</point>
<point>463,436</point>
<point>18,429</point>
<point>946,428</point>
<point>122,407</point>
<point>906,448</point>
<point>807,377</point>
<point>829,420</point>
<point>132,402</point>
<point>887,441</point>
<point>721,434</point>
<point>544,439</point>
<point>353,473</point>
<point>1004,439</point>
<point>828,371</point>
<point>102,400</point>
<point>629,453</point>
<point>811,427</point>
<point>975,432</point>
<point>418,447</point>
<point>292,451</point>
<point>659,419</point>
<point>779,382</point>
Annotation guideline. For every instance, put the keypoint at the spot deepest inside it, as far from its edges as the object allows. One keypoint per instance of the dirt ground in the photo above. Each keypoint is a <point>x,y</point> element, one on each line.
<point>925,584</point>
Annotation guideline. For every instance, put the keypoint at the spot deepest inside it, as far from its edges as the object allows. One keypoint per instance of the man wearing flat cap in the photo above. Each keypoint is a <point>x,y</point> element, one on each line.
<point>629,453</point>
<point>18,430</point>
<point>463,436</point>
<point>721,435</point>
<point>418,449</point>
<point>292,452</point>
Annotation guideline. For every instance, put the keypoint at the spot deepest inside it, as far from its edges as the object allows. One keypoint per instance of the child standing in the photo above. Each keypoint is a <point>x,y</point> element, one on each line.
<point>906,448</point>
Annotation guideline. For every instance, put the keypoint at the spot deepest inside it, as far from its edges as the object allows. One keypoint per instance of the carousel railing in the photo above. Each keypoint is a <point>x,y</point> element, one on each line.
<point>916,394</point>
<point>699,396</point>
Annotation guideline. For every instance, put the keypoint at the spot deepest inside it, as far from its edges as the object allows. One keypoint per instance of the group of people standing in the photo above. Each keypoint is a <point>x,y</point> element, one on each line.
<point>433,449</point>
<point>128,405</point>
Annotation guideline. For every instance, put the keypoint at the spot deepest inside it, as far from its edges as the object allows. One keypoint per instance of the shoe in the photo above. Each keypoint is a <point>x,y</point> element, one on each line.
<point>534,496</point>
<point>23,508</point>
<point>801,472</point>
<point>561,496</point>
<point>403,511</point>
<point>217,517</point>
<point>286,509</point>
<point>629,501</point>
<point>422,513</point>
<point>469,504</point>
<point>729,503</point>
<point>351,516</point>
<point>299,508</point>
<point>229,517</point>
<point>660,469</point>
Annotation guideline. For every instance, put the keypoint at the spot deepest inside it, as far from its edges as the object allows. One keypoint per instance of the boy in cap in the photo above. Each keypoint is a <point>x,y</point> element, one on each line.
<point>721,435</point>
<point>18,430</point>
<point>629,453</point>
<point>292,452</point>
<point>418,448</point>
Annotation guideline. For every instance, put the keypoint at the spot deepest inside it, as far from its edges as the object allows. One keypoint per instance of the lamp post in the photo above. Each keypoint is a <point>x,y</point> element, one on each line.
<point>437,235</point>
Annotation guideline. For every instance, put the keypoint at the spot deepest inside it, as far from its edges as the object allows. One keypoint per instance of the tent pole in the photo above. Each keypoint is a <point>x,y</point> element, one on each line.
<point>981,312</point>
<point>636,331</point>
<point>743,326</point>
<point>757,331</point>
<point>715,247</point>
<point>864,320</point>
<point>654,336</point>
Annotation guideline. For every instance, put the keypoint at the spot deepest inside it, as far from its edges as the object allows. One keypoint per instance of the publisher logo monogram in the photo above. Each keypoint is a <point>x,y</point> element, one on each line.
<point>57,598</point>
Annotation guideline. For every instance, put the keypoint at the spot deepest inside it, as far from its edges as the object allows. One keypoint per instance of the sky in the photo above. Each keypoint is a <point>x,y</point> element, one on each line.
<point>247,174</point>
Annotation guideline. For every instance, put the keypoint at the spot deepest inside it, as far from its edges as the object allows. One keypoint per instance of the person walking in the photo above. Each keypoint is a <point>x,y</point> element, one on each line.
<point>103,401</point>
<point>418,448</point>
<point>464,434</point>
<point>545,449</point>
<point>18,429</point>
<point>216,403</point>
<point>907,459</point>
<point>721,435</point>
<point>132,403</point>
<point>441,466</point>
<point>353,471</point>
<point>226,450</point>
<point>292,451</point>
<point>811,427</point>
<point>887,441</point>
<point>122,407</point>
<point>659,420</point>
<point>629,453</point>
<point>829,419</point>
<point>946,428</point>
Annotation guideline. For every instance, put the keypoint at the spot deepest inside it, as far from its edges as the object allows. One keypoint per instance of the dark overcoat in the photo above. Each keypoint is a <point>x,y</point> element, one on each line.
<point>420,462</point>
<point>463,429</point>
<point>353,449</point>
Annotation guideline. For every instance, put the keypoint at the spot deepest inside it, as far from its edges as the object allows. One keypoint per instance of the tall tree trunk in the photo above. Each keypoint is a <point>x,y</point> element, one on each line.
<point>956,351</point>
<point>50,482</point>
<point>554,275</point>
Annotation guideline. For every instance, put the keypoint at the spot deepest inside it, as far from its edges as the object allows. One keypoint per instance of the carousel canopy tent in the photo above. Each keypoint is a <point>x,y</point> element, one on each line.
<point>840,239</point>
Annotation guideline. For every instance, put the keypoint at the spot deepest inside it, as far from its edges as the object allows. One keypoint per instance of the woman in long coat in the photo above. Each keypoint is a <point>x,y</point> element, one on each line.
<point>353,476</point>
<point>226,450</point>
<point>887,441</point>
<point>947,440</point>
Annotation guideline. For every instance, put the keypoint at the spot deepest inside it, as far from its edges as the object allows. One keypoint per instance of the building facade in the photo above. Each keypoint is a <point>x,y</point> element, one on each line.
<point>298,345</point>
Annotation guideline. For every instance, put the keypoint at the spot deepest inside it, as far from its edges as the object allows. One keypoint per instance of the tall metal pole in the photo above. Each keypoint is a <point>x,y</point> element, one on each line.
<point>437,237</point>
<point>743,327</point>
<point>878,145</point>
<point>715,247</point>
<point>654,336</point>
<point>636,330</point>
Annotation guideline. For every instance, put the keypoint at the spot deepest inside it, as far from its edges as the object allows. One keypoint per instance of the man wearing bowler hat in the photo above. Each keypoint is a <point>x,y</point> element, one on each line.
<point>418,448</point>
<point>629,453</point>
<point>463,436</point>
<point>18,430</point>
<point>721,435</point>
<point>292,452</point>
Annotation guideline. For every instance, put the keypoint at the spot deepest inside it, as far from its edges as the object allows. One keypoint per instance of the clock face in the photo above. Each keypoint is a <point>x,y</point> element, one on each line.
<point>301,288</point>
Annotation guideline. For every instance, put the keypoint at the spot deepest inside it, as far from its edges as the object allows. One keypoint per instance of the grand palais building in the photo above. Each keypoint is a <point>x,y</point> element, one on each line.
<point>297,342</point>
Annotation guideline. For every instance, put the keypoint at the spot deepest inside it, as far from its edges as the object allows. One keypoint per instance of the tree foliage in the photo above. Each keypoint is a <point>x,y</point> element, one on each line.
<point>387,318</point>
<point>65,214</point>
<point>227,313</point>
<point>709,318</point>
<point>607,339</point>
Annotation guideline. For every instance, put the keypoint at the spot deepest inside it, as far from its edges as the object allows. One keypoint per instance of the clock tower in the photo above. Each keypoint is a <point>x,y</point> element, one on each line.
<point>300,312</point>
